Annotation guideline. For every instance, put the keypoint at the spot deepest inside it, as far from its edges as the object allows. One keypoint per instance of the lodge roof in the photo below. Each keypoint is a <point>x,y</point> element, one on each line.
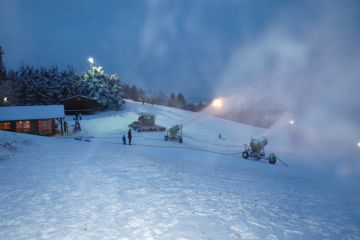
<point>146,114</point>
<point>12,113</point>
<point>78,96</point>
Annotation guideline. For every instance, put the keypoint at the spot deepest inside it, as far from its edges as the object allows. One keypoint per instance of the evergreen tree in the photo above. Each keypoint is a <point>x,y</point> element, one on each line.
<point>180,100</point>
<point>24,89</point>
<point>134,93</point>
<point>126,90</point>
<point>161,98</point>
<point>142,95</point>
<point>105,89</point>
<point>190,106</point>
<point>67,84</point>
<point>116,92</point>
<point>200,106</point>
<point>172,100</point>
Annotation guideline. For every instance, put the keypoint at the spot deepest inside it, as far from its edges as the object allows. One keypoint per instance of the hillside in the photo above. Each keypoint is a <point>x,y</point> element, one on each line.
<point>98,188</point>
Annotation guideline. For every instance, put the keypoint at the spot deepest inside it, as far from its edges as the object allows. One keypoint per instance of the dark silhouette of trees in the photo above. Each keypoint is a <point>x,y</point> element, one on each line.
<point>40,86</point>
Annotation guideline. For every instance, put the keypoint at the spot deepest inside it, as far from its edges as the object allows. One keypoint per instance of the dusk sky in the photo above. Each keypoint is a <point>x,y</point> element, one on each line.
<point>200,48</point>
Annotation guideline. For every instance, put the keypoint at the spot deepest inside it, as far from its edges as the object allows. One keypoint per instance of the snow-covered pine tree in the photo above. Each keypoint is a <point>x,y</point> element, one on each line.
<point>105,89</point>
<point>23,89</point>
<point>172,100</point>
<point>68,83</point>
<point>161,98</point>
<point>180,100</point>
<point>116,92</point>
<point>134,95</point>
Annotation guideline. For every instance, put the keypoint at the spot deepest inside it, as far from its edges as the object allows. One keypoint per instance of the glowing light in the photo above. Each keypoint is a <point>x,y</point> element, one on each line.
<point>292,122</point>
<point>217,103</point>
<point>358,144</point>
<point>91,60</point>
<point>6,99</point>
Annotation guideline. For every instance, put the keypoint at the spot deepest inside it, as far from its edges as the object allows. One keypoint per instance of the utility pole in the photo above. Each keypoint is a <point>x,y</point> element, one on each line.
<point>2,67</point>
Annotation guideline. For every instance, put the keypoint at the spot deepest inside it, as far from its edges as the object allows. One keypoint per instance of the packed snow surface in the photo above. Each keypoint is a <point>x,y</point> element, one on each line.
<point>98,188</point>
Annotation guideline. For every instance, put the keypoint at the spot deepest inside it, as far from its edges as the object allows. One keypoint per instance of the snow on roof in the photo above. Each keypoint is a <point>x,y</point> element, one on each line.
<point>76,96</point>
<point>147,114</point>
<point>31,112</point>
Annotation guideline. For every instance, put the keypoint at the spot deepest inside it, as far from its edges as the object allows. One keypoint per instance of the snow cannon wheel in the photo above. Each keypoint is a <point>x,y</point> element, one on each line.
<point>272,159</point>
<point>166,138</point>
<point>180,140</point>
<point>245,155</point>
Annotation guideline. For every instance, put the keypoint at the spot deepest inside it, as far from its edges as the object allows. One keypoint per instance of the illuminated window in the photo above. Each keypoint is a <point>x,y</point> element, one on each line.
<point>23,126</point>
<point>5,125</point>
<point>45,127</point>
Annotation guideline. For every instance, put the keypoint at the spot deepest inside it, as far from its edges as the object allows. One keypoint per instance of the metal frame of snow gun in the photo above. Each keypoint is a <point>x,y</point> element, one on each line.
<point>173,133</point>
<point>256,150</point>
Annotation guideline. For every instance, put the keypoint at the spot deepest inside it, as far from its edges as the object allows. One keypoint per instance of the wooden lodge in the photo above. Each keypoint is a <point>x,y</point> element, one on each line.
<point>81,104</point>
<point>39,120</point>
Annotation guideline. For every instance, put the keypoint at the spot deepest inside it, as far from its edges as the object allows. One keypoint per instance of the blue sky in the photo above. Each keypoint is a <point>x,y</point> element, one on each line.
<point>201,48</point>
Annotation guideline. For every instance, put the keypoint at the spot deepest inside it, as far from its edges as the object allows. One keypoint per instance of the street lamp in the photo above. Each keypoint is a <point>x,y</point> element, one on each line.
<point>91,60</point>
<point>217,103</point>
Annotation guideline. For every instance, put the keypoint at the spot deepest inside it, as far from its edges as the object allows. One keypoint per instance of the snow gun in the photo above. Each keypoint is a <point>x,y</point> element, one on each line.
<point>174,133</point>
<point>256,150</point>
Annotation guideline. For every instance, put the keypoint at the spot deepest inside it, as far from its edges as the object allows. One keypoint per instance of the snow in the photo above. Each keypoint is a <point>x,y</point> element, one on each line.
<point>77,96</point>
<point>31,112</point>
<point>61,188</point>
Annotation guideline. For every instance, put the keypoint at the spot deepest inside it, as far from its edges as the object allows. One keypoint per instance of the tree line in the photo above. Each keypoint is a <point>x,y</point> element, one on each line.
<point>160,98</point>
<point>41,86</point>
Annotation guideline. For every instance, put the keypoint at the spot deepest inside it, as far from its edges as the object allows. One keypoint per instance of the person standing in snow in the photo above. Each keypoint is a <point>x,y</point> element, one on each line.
<point>124,139</point>
<point>129,136</point>
<point>77,127</point>
<point>65,126</point>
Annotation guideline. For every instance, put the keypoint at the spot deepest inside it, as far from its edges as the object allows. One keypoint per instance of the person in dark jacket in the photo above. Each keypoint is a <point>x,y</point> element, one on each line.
<point>124,139</point>
<point>129,136</point>
<point>65,126</point>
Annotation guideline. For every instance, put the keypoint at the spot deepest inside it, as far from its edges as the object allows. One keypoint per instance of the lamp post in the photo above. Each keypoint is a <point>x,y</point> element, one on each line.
<point>217,103</point>
<point>91,60</point>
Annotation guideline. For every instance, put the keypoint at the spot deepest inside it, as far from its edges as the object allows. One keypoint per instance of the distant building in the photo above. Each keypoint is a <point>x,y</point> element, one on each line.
<point>81,104</point>
<point>39,120</point>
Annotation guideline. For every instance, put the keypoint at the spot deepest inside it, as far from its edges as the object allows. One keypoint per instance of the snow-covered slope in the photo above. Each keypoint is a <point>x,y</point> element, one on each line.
<point>61,188</point>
